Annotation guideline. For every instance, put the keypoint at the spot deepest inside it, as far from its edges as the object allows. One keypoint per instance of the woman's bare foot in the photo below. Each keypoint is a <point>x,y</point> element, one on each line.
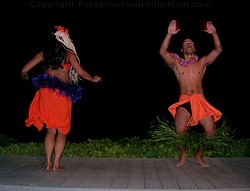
<point>48,167</point>
<point>58,169</point>
<point>182,158</point>
<point>201,162</point>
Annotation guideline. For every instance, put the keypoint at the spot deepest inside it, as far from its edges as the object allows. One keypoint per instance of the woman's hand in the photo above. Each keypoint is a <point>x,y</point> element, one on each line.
<point>97,79</point>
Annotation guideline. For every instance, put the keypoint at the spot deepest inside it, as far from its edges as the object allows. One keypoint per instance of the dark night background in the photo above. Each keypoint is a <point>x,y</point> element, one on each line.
<point>121,44</point>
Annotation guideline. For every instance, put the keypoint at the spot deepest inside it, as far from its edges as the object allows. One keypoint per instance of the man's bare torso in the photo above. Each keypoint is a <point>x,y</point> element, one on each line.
<point>190,77</point>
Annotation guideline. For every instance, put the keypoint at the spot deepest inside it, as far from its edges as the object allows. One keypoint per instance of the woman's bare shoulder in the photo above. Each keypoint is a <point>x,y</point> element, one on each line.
<point>71,57</point>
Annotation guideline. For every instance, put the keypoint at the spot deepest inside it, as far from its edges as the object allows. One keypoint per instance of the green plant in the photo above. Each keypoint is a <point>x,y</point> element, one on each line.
<point>163,130</point>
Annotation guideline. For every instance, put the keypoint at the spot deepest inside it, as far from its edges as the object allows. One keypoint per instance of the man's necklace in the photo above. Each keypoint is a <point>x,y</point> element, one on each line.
<point>185,62</point>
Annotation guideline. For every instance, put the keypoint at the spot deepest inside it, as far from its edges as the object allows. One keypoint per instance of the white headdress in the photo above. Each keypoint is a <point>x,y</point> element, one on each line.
<point>62,36</point>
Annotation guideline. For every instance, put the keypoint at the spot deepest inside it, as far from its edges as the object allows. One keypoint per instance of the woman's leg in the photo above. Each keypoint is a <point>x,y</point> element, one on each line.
<point>59,148</point>
<point>49,143</point>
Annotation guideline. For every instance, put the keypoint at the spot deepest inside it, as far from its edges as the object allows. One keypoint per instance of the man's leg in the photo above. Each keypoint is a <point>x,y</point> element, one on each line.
<point>210,128</point>
<point>181,119</point>
<point>182,157</point>
<point>198,157</point>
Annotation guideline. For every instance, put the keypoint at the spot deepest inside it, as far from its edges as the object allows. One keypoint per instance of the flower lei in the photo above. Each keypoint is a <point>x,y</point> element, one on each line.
<point>184,62</point>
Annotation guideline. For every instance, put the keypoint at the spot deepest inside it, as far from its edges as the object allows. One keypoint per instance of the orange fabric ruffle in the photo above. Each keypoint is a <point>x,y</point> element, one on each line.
<point>47,107</point>
<point>199,106</point>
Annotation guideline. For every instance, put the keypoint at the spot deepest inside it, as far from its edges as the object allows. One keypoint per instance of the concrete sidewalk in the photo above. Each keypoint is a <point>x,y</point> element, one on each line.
<point>22,173</point>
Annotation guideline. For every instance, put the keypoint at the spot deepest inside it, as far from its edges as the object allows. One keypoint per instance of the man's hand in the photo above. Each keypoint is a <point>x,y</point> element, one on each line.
<point>172,28</point>
<point>210,29</point>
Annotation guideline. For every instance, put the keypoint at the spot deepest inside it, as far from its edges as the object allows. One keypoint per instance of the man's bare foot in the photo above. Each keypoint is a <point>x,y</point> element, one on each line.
<point>201,162</point>
<point>182,159</point>
<point>58,169</point>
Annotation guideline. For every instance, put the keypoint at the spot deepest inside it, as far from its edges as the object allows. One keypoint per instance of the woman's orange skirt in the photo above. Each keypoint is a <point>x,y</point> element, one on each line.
<point>199,106</point>
<point>50,108</point>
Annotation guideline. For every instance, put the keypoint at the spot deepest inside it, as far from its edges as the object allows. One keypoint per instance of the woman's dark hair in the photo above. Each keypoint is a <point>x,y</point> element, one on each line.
<point>54,53</point>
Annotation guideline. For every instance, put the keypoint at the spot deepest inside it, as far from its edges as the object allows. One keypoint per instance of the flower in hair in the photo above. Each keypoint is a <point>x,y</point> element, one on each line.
<point>62,29</point>
<point>62,35</point>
